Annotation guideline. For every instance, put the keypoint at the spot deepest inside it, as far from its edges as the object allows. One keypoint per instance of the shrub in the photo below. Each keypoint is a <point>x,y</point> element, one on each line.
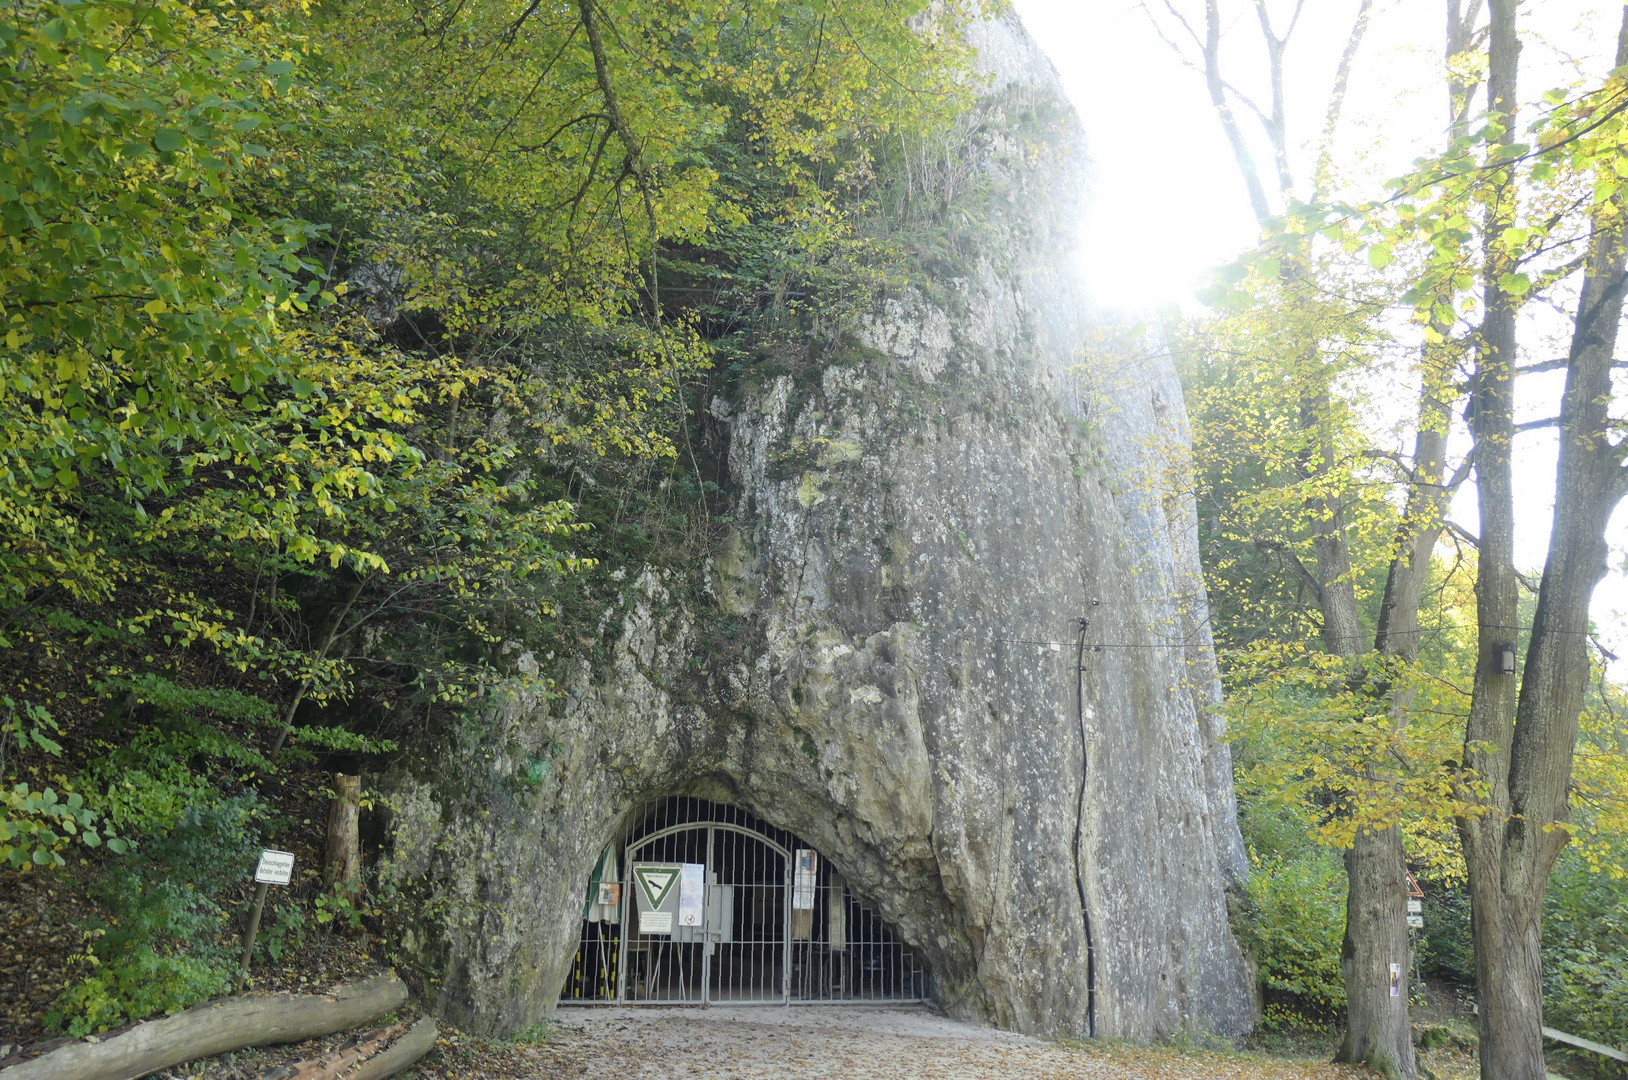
<point>35,826</point>
<point>1445,949</point>
<point>1585,952</point>
<point>165,943</point>
<point>1294,919</point>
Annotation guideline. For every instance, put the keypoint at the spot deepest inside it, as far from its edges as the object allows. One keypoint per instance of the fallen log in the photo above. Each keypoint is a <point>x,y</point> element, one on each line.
<point>419,1040</point>
<point>339,1059</point>
<point>214,1028</point>
<point>372,1055</point>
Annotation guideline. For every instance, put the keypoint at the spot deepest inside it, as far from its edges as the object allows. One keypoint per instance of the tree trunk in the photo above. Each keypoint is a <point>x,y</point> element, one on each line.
<point>214,1028</point>
<point>371,1055</point>
<point>1521,743</point>
<point>1492,705</point>
<point>344,855</point>
<point>1508,986</point>
<point>419,1040</point>
<point>1377,1032</point>
<point>1376,934</point>
<point>1377,956</point>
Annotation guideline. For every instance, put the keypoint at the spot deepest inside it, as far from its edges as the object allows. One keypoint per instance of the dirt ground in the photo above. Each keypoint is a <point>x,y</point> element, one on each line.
<point>830,1043</point>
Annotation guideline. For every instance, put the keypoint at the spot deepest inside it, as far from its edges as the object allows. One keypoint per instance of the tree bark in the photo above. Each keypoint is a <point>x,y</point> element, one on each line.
<point>1376,936</point>
<point>1520,741</point>
<point>214,1028</point>
<point>1503,994</point>
<point>1376,952</point>
<point>1377,1031</point>
<point>419,1040</point>
<point>371,1055</point>
<point>344,855</point>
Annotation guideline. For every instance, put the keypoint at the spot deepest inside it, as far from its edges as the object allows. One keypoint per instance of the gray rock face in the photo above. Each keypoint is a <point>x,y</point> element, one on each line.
<point>887,664</point>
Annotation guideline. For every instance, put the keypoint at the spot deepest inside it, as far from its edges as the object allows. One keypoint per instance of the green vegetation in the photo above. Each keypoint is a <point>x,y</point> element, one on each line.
<point>1293,919</point>
<point>343,343</point>
<point>1358,625</point>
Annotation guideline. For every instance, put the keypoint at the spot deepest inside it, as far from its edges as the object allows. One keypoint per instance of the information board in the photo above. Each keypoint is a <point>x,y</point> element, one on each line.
<point>691,892</point>
<point>275,867</point>
<point>803,880</point>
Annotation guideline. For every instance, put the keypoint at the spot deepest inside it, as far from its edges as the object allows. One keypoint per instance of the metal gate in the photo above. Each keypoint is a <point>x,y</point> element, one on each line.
<point>715,906</point>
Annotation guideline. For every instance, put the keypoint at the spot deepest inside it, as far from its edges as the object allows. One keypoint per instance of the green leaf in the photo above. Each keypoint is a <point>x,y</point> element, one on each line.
<point>1516,284</point>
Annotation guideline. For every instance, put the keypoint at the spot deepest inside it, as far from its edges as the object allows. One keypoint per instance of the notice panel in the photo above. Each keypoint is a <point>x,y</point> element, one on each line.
<point>691,894</point>
<point>275,867</point>
<point>802,885</point>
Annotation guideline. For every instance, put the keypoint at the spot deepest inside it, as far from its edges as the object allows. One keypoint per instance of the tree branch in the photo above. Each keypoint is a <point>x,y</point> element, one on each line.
<point>1229,122</point>
<point>630,142</point>
<point>1557,364</point>
<point>1336,99</point>
<point>1534,425</point>
<point>1292,561</point>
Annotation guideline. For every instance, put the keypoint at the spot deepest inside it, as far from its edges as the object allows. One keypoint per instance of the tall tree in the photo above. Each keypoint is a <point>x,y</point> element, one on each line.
<point>1523,731</point>
<point>1377,692</point>
<point>1503,219</point>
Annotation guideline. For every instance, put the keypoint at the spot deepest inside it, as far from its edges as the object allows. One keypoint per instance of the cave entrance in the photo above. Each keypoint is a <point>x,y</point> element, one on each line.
<point>703,902</point>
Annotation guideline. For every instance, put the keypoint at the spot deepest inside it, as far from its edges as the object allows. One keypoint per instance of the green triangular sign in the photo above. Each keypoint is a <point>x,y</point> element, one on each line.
<point>655,881</point>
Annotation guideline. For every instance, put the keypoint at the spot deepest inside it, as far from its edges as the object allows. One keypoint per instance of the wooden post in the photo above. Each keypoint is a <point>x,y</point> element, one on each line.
<point>250,932</point>
<point>344,861</point>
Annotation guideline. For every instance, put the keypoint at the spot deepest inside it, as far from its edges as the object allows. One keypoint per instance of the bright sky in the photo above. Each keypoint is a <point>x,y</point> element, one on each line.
<point>1168,203</point>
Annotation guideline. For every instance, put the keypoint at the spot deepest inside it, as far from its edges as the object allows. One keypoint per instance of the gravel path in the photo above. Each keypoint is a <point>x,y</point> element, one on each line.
<point>835,1043</point>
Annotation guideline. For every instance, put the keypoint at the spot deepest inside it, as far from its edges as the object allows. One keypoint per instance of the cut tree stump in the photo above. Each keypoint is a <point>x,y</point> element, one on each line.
<point>344,853</point>
<point>371,1055</point>
<point>214,1028</point>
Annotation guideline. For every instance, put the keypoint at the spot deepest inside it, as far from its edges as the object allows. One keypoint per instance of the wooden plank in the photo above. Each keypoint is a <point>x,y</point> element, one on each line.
<point>1586,1044</point>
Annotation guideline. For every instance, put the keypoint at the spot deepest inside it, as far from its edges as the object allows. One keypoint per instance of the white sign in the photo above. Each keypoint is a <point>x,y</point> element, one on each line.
<point>1396,980</point>
<point>276,868</point>
<point>1415,907</point>
<point>802,885</point>
<point>690,894</point>
<point>1416,922</point>
<point>655,922</point>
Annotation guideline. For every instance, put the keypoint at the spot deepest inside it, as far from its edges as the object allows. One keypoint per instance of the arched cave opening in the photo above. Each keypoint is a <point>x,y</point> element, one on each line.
<point>701,901</point>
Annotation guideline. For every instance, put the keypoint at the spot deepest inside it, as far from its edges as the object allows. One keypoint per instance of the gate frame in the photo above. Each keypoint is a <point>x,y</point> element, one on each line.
<point>631,903</point>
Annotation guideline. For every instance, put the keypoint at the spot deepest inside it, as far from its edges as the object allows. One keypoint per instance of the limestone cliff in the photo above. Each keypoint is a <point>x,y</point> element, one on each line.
<point>922,523</point>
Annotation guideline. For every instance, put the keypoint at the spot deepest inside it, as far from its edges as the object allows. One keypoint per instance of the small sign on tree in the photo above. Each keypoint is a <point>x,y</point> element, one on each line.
<point>274,868</point>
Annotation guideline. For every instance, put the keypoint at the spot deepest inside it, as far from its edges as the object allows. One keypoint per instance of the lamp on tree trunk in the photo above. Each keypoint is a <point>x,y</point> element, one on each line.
<point>343,861</point>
